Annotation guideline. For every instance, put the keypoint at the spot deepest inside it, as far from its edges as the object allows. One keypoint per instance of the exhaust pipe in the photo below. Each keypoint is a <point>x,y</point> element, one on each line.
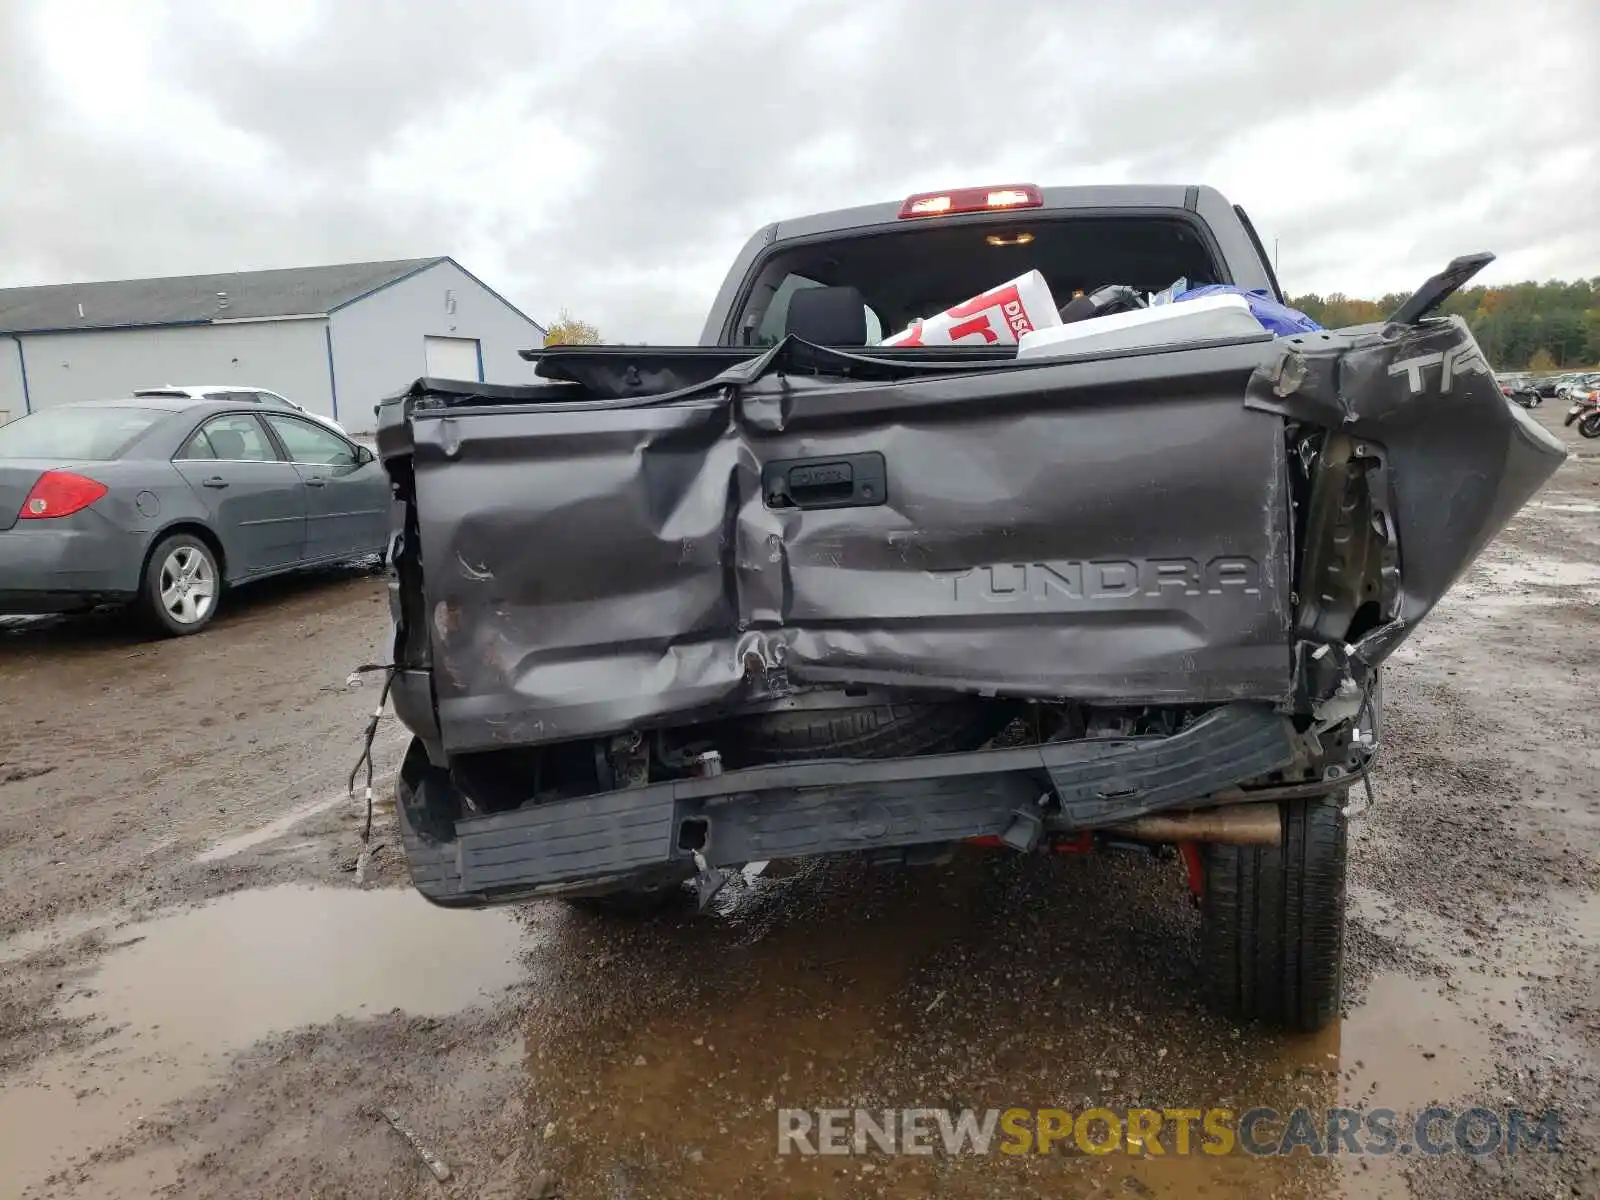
<point>1237,824</point>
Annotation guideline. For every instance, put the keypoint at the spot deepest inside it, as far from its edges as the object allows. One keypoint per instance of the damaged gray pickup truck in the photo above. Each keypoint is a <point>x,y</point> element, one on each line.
<point>667,611</point>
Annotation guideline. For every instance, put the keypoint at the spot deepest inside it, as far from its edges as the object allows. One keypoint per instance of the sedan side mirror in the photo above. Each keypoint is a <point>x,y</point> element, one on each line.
<point>364,456</point>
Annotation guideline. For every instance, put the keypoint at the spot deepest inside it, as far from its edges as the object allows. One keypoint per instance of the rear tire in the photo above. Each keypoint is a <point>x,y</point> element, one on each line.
<point>1272,921</point>
<point>181,588</point>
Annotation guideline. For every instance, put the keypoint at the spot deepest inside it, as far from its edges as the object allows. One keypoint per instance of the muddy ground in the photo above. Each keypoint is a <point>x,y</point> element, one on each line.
<point>198,998</point>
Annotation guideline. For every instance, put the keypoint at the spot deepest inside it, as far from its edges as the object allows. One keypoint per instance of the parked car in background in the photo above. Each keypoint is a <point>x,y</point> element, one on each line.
<point>162,502</point>
<point>1521,387</point>
<point>240,395</point>
<point>1570,386</point>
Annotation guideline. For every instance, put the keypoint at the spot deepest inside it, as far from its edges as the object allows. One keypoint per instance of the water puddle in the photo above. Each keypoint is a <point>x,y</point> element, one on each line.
<point>1410,1045</point>
<point>1494,975</point>
<point>186,989</point>
<point>1413,1043</point>
<point>1406,1046</point>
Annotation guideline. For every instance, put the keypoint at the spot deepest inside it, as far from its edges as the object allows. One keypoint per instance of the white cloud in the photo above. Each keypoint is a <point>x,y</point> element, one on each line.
<point>613,157</point>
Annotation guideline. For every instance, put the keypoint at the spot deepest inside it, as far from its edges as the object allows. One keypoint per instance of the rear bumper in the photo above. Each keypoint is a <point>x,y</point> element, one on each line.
<point>47,568</point>
<point>813,808</point>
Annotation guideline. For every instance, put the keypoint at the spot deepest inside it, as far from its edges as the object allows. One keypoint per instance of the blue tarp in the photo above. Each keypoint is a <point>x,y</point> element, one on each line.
<point>1278,318</point>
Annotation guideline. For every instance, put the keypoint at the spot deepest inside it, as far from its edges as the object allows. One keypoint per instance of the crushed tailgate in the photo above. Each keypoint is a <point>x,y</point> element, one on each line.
<point>1116,531</point>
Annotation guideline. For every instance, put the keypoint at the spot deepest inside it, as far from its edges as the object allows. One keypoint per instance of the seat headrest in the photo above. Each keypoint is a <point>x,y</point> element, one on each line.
<point>228,443</point>
<point>828,316</point>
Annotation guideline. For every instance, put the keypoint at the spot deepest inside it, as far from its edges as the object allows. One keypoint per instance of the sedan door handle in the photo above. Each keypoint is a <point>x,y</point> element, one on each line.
<point>315,482</point>
<point>216,481</point>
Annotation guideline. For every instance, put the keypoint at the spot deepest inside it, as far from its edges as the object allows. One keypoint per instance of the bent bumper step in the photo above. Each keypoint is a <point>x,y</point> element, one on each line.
<point>810,808</point>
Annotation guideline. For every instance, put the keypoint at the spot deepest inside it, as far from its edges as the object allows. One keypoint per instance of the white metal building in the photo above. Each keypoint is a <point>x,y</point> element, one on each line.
<point>336,339</point>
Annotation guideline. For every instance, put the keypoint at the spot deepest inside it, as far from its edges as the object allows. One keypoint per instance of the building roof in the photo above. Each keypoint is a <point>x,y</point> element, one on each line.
<point>195,299</point>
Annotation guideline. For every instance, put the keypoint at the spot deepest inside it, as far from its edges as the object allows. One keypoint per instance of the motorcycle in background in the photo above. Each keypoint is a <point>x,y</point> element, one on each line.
<point>1585,412</point>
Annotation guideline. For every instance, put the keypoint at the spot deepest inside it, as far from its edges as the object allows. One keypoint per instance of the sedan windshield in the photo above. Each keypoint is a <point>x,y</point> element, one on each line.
<point>76,434</point>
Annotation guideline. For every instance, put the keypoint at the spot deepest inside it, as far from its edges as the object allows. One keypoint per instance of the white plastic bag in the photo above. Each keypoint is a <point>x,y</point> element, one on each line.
<point>998,317</point>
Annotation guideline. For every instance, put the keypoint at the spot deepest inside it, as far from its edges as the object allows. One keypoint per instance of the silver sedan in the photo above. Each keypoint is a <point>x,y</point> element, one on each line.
<point>164,502</point>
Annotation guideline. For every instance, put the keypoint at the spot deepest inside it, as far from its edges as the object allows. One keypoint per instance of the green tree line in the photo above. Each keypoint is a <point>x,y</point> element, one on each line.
<point>1521,327</point>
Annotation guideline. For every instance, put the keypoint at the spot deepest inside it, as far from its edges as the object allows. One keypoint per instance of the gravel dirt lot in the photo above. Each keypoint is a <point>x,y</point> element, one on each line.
<point>199,999</point>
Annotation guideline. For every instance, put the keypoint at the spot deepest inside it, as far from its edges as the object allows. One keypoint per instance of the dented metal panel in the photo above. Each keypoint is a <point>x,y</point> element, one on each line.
<point>1450,459</point>
<point>1114,531</point>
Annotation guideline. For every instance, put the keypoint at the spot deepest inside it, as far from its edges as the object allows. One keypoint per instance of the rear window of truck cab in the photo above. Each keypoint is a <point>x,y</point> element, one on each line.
<point>905,272</point>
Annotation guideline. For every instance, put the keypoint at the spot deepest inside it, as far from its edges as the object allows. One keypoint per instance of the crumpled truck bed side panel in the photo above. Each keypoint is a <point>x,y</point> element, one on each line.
<point>1118,534</point>
<point>1449,460</point>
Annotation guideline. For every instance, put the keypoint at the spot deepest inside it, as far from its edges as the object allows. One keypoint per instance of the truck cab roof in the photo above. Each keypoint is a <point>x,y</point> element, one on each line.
<point>1161,231</point>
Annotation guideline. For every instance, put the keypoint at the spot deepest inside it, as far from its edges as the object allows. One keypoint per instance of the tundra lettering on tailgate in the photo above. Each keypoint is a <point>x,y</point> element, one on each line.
<point>1100,579</point>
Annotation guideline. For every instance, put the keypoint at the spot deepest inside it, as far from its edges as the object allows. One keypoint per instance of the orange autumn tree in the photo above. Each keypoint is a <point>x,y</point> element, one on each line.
<point>568,330</point>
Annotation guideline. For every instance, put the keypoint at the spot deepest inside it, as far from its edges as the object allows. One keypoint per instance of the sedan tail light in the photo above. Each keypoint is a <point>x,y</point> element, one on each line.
<point>60,494</point>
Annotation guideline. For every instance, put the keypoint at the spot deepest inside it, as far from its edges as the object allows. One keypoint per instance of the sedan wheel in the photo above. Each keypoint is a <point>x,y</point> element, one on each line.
<point>181,586</point>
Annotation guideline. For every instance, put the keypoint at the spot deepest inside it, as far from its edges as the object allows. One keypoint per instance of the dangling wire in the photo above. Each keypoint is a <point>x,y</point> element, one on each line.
<point>372,733</point>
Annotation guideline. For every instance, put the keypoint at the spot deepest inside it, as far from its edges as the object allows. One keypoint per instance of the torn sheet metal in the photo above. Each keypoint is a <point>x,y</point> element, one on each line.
<point>1115,529</point>
<point>1112,533</point>
<point>1457,459</point>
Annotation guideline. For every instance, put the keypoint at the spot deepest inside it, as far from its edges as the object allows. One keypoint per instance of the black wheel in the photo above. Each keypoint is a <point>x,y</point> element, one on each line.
<point>1589,427</point>
<point>181,586</point>
<point>1272,921</point>
<point>891,730</point>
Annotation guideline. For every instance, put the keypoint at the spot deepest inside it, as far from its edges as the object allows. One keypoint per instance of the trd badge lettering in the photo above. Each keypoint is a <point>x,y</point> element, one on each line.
<point>1458,360</point>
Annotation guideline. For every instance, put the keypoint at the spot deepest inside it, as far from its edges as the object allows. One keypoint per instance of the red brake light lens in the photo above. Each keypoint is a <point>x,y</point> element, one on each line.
<point>60,494</point>
<point>970,200</point>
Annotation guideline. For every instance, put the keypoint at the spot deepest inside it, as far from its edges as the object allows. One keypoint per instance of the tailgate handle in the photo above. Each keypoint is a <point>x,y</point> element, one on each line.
<point>845,481</point>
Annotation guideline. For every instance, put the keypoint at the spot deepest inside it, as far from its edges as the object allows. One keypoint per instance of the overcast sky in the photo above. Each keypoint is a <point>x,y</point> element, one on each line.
<point>612,158</point>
